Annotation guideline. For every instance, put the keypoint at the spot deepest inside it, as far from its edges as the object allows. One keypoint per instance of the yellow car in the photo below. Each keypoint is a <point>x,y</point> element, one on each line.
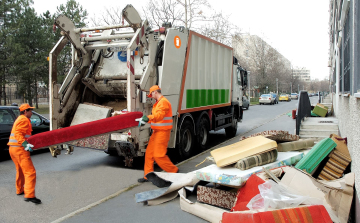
<point>284,97</point>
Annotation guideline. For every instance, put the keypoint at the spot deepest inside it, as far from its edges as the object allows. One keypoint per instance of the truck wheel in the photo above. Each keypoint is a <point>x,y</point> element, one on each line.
<point>231,130</point>
<point>185,145</point>
<point>203,136</point>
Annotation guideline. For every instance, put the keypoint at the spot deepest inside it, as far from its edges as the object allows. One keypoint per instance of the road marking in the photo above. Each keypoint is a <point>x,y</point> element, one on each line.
<point>137,184</point>
<point>95,203</point>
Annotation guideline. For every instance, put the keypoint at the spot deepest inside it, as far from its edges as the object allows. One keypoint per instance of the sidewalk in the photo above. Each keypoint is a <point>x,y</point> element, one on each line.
<point>121,206</point>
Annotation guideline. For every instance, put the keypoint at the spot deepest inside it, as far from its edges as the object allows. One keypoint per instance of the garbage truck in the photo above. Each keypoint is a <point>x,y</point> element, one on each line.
<point>113,67</point>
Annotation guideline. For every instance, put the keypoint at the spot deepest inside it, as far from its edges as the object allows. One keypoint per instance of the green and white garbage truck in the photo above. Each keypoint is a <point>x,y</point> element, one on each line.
<point>113,67</point>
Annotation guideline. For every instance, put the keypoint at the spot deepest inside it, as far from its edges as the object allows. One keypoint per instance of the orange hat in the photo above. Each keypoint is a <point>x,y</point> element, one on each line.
<point>153,88</point>
<point>25,106</point>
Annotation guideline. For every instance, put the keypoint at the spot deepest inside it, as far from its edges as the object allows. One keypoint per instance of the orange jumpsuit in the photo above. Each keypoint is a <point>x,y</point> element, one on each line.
<point>161,124</point>
<point>25,170</point>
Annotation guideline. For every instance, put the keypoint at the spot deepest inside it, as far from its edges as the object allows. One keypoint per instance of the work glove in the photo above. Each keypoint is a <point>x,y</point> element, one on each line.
<point>141,122</point>
<point>27,146</point>
<point>145,118</point>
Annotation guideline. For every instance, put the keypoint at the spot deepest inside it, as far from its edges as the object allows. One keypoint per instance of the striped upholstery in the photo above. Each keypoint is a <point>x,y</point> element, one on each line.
<point>315,214</point>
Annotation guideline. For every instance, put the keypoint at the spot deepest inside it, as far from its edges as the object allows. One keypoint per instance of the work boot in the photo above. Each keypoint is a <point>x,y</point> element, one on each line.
<point>34,200</point>
<point>20,193</point>
<point>157,181</point>
<point>142,180</point>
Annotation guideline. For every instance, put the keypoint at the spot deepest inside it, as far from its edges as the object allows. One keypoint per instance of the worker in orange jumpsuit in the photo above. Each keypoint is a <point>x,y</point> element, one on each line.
<point>161,124</point>
<point>20,150</point>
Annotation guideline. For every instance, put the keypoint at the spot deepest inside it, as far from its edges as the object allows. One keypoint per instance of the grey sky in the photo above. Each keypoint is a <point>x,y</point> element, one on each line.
<point>298,29</point>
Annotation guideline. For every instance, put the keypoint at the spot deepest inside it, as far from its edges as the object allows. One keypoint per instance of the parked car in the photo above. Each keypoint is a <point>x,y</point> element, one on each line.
<point>276,98</point>
<point>294,96</point>
<point>246,102</point>
<point>284,97</point>
<point>266,99</point>
<point>8,115</point>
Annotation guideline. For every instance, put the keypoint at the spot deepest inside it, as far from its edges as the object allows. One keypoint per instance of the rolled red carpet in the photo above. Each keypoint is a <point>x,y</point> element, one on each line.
<point>99,127</point>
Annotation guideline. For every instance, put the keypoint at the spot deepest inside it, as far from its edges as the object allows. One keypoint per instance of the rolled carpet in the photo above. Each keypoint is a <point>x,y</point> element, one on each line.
<point>98,127</point>
<point>296,145</point>
<point>257,160</point>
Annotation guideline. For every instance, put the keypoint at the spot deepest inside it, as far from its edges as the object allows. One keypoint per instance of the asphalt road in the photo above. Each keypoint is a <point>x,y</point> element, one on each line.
<point>67,185</point>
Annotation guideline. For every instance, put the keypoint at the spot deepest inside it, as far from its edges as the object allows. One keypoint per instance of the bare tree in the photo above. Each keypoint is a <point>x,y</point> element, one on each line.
<point>193,11</point>
<point>163,11</point>
<point>178,12</point>
<point>110,16</point>
<point>219,28</point>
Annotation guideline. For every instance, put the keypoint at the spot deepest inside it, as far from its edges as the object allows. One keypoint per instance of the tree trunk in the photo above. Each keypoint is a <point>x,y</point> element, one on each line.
<point>36,94</point>
<point>1,81</point>
<point>3,89</point>
<point>29,96</point>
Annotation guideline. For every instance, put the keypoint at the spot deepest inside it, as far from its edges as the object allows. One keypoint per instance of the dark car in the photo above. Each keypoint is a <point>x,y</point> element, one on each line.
<point>8,115</point>
<point>246,102</point>
<point>276,101</point>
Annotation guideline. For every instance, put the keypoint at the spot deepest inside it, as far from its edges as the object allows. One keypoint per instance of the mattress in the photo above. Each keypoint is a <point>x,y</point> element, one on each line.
<point>234,177</point>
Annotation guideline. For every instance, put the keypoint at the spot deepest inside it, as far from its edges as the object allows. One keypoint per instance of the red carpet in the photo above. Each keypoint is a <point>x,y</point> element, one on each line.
<point>85,130</point>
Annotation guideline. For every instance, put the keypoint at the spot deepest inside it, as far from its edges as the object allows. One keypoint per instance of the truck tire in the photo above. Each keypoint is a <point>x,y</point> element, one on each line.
<point>203,136</point>
<point>231,130</point>
<point>187,138</point>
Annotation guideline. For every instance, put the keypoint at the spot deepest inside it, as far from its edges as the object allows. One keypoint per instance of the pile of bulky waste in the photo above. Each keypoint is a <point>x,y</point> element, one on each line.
<point>271,176</point>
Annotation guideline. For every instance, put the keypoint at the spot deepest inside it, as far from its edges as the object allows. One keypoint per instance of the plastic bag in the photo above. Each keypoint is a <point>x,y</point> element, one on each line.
<point>275,196</point>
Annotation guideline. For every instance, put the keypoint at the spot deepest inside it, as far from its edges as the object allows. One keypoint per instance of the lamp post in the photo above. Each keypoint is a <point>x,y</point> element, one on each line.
<point>277,86</point>
<point>249,83</point>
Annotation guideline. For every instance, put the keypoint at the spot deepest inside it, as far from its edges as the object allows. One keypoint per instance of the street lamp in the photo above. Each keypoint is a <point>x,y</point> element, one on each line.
<point>249,83</point>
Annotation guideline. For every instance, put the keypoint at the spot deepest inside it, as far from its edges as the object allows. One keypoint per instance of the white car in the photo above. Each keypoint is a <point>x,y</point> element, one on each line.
<point>294,96</point>
<point>266,99</point>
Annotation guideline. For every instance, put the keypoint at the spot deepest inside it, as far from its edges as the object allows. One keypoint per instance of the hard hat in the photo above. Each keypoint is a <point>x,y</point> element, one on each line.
<point>153,88</point>
<point>25,106</point>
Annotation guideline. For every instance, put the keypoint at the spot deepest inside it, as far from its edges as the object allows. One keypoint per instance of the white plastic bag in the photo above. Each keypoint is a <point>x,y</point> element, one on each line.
<point>275,196</point>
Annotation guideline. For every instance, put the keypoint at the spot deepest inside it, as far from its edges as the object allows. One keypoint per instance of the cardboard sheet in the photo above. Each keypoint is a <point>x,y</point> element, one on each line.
<point>234,177</point>
<point>248,147</point>
<point>336,195</point>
